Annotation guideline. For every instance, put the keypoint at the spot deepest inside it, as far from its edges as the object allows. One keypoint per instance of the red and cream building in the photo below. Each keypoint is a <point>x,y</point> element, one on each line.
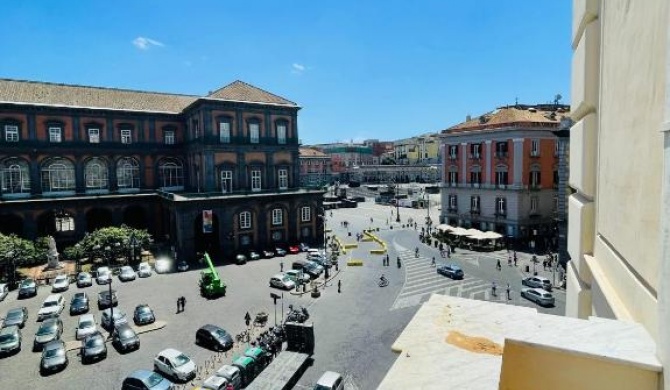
<point>500,173</point>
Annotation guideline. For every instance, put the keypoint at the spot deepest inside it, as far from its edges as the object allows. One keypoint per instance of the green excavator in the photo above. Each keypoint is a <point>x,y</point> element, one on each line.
<point>211,285</point>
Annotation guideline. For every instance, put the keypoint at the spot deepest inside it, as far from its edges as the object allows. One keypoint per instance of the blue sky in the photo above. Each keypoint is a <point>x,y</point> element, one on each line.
<point>360,69</point>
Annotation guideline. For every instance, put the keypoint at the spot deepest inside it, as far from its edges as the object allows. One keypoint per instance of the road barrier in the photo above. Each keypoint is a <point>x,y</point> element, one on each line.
<point>355,263</point>
<point>340,246</point>
<point>350,246</point>
<point>372,237</point>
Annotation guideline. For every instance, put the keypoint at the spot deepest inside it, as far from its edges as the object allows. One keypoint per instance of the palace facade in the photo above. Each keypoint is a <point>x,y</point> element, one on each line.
<point>219,172</point>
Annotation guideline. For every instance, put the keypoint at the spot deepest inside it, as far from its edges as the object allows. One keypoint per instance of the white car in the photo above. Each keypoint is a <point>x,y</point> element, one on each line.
<point>86,326</point>
<point>127,273</point>
<point>144,270</point>
<point>52,307</point>
<point>61,283</point>
<point>174,364</point>
<point>295,275</point>
<point>282,281</point>
<point>104,275</point>
<point>214,383</point>
<point>163,266</point>
<point>4,290</point>
<point>106,318</point>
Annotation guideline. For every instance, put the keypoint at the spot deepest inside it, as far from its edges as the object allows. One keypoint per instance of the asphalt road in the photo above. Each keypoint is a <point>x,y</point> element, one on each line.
<point>354,329</point>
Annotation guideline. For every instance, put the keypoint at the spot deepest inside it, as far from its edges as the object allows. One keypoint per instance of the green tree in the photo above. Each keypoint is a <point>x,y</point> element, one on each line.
<point>110,244</point>
<point>16,251</point>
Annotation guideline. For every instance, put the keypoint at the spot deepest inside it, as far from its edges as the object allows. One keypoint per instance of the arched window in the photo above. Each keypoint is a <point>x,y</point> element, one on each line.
<point>128,173</point>
<point>96,174</point>
<point>171,174</point>
<point>15,176</point>
<point>245,220</point>
<point>58,175</point>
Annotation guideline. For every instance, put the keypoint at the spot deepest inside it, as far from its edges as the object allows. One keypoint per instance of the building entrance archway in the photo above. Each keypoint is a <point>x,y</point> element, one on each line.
<point>135,217</point>
<point>11,224</point>
<point>206,242</point>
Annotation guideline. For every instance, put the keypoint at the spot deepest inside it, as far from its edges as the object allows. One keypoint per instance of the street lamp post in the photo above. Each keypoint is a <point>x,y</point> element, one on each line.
<point>11,254</point>
<point>397,204</point>
<point>77,266</point>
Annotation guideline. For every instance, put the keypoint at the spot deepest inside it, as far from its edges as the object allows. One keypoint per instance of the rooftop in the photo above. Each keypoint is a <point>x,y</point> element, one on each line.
<point>67,95</point>
<point>541,115</point>
<point>308,152</point>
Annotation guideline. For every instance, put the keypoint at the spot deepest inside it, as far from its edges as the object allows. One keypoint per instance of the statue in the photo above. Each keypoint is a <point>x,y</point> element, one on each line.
<point>52,255</point>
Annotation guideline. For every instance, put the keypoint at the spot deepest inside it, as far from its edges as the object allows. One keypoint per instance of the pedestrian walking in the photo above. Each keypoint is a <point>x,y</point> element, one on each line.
<point>339,286</point>
<point>433,263</point>
<point>183,303</point>
<point>508,292</point>
<point>493,289</point>
<point>515,260</point>
<point>498,266</point>
<point>179,305</point>
<point>281,266</point>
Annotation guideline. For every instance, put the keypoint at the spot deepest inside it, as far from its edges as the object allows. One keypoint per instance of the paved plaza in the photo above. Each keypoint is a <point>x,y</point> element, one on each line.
<point>354,329</point>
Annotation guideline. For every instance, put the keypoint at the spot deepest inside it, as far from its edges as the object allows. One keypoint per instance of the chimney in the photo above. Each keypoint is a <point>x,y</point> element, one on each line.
<point>468,118</point>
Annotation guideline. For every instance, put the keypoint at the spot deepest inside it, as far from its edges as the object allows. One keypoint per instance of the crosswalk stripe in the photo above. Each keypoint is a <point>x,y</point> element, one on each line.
<point>440,283</point>
<point>428,289</point>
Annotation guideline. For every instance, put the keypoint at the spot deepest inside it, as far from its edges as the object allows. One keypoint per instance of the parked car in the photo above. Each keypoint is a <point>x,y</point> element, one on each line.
<point>303,247</point>
<point>232,374</point>
<point>143,315</point>
<point>51,329</point>
<point>79,303</point>
<point>537,282</point>
<point>85,327</point>
<point>313,269</point>
<point>106,318</point>
<point>10,340</point>
<point>282,281</point>
<point>54,357</point>
<point>51,307</point>
<point>213,337</point>
<point>214,383</point>
<point>127,273</point>
<point>293,249</point>
<point>297,276</point>
<point>145,380</point>
<point>144,270</point>
<point>105,299</point>
<point>182,266</point>
<point>17,316</point>
<point>539,296</point>
<point>451,271</point>
<point>358,199</point>
<point>253,255</point>
<point>84,279</point>
<point>93,348</point>
<point>174,364</point>
<point>241,259</point>
<point>330,381</point>
<point>4,290</point>
<point>60,283</point>
<point>320,260</point>
<point>124,338</point>
<point>268,254</point>
<point>163,266</point>
<point>104,275</point>
<point>27,288</point>
<point>280,251</point>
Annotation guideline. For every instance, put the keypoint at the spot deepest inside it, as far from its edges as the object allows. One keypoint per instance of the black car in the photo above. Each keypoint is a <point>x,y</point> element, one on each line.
<point>27,288</point>
<point>240,259</point>
<point>17,316</point>
<point>451,271</point>
<point>79,303</point>
<point>213,337</point>
<point>50,329</point>
<point>93,348</point>
<point>54,357</point>
<point>124,338</point>
<point>143,315</point>
<point>280,251</point>
<point>106,300</point>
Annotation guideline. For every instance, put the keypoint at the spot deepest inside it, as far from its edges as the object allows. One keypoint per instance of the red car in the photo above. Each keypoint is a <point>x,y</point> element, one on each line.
<point>293,249</point>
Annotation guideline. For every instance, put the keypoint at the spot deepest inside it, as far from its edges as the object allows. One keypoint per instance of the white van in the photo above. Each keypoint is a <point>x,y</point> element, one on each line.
<point>330,381</point>
<point>52,307</point>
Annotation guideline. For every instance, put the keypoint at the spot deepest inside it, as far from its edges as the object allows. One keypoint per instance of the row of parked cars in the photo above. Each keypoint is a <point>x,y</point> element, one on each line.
<point>269,253</point>
<point>302,271</point>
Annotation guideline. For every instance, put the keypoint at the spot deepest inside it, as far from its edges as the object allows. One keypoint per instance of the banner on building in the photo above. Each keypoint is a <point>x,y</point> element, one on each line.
<point>207,221</point>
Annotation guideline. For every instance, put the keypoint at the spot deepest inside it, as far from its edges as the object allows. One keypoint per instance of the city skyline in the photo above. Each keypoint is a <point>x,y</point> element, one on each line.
<point>347,67</point>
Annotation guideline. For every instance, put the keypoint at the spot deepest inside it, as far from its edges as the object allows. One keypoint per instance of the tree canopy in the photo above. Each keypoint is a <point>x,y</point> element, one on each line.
<point>21,251</point>
<point>110,244</point>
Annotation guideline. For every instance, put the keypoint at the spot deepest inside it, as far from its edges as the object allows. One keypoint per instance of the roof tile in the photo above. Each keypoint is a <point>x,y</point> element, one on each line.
<point>243,92</point>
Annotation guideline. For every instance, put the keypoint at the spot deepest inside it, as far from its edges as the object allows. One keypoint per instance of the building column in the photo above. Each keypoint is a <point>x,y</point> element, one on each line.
<point>35,182</point>
<point>488,158</point>
<point>112,183</point>
<point>295,158</point>
<point>79,179</point>
<point>270,170</point>
<point>464,160</point>
<point>32,129</point>
<point>518,162</point>
<point>241,172</point>
<point>75,128</point>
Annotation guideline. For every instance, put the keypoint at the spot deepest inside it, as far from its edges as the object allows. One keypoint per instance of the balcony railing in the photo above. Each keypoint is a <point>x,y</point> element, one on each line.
<point>475,156</point>
<point>501,154</point>
<point>501,214</point>
<point>475,211</point>
<point>535,153</point>
<point>501,186</point>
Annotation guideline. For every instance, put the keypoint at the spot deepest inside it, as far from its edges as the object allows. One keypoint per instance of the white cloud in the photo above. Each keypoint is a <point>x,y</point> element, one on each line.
<point>297,68</point>
<point>144,43</point>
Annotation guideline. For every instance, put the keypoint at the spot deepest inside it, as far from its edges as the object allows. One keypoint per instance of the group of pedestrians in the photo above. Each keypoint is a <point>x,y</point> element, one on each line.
<point>494,290</point>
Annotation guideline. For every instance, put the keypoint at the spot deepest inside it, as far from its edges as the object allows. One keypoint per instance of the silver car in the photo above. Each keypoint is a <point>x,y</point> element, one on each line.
<point>537,282</point>
<point>10,340</point>
<point>127,273</point>
<point>85,327</point>
<point>539,296</point>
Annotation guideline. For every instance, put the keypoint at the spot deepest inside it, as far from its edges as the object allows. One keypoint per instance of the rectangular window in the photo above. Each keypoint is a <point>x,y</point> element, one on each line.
<point>11,133</point>
<point>306,214</point>
<point>501,149</point>
<point>476,151</point>
<point>245,220</point>
<point>453,202</point>
<point>534,201</point>
<point>255,180</point>
<point>277,217</point>
<point>226,182</point>
<point>168,136</point>
<point>535,147</point>
<point>283,179</point>
<point>126,137</point>
<point>254,133</point>
<point>94,136</point>
<point>501,179</point>
<point>453,151</point>
<point>55,134</point>
<point>281,134</point>
<point>453,178</point>
<point>474,203</point>
<point>224,132</point>
<point>501,206</point>
<point>535,179</point>
<point>475,178</point>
